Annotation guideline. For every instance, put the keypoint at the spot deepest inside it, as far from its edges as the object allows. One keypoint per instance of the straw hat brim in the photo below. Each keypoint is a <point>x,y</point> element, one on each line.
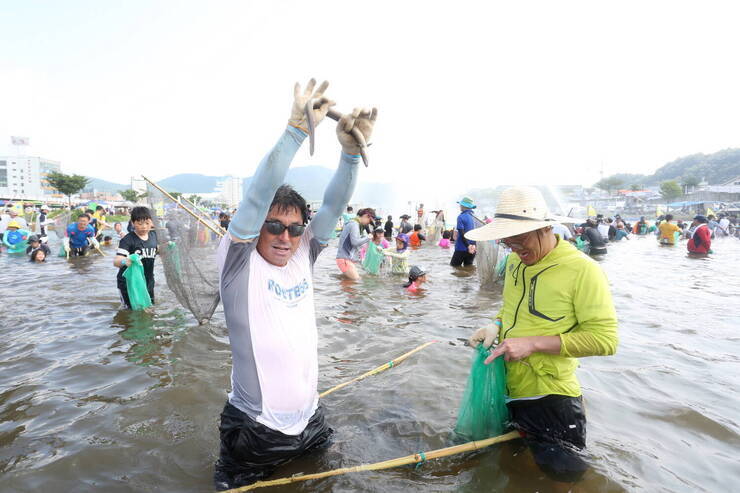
<point>504,228</point>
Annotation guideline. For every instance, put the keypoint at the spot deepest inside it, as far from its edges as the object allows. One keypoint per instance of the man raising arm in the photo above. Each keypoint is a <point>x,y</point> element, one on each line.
<point>266,261</point>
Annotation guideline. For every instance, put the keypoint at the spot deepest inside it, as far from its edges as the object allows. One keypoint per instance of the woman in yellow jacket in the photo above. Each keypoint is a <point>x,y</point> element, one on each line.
<point>557,307</point>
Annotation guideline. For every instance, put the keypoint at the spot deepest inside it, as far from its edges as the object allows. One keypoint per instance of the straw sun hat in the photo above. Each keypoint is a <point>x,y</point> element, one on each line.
<point>519,210</point>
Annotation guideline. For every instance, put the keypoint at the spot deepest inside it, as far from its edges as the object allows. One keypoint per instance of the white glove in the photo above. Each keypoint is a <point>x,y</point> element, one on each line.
<point>65,242</point>
<point>298,112</point>
<point>93,242</point>
<point>487,335</point>
<point>362,119</point>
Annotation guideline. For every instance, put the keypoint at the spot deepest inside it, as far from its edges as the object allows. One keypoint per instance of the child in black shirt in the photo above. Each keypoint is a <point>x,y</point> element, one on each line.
<point>142,241</point>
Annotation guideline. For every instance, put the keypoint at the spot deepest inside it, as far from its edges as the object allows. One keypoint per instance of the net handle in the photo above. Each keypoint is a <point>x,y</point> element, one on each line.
<point>220,234</point>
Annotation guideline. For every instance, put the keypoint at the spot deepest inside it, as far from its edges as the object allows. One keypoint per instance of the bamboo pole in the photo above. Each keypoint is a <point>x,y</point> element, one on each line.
<point>195,208</point>
<point>377,370</point>
<point>183,207</point>
<point>376,466</point>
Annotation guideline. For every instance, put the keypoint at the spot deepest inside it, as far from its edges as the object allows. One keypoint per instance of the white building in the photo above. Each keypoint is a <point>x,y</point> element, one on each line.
<point>230,191</point>
<point>24,177</point>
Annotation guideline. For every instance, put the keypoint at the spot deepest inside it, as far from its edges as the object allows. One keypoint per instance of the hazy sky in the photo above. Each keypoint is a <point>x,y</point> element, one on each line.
<point>470,94</point>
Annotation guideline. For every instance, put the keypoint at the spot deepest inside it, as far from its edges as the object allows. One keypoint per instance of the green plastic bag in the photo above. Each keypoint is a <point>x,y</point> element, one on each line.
<point>62,251</point>
<point>373,259</point>
<point>483,412</point>
<point>136,284</point>
<point>581,245</point>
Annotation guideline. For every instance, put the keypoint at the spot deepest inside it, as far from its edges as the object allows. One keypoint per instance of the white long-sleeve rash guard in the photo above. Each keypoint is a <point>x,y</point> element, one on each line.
<point>269,309</point>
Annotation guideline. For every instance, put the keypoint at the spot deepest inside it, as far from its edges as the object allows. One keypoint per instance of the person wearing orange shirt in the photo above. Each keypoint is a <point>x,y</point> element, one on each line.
<point>416,237</point>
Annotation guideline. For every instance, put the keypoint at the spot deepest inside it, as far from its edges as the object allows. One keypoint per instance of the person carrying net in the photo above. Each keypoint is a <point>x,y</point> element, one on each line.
<point>557,307</point>
<point>266,260</point>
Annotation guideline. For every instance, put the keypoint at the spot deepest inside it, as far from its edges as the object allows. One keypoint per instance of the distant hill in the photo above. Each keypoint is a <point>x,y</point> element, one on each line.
<point>190,183</point>
<point>104,186</point>
<point>715,168</point>
<point>310,181</point>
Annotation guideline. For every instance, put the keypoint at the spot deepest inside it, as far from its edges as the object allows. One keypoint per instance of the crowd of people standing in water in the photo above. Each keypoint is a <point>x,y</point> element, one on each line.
<point>266,259</point>
<point>593,236</point>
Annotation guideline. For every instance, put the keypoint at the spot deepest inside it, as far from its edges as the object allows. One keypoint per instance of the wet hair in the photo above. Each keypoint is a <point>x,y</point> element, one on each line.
<point>119,224</point>
<point>89,211</point>
<point>85,215</point>
<point>417,227</point>
<point>286,199</point>
<point>99,208</point>
<point>414,274</point>
<point>669,217</point>
<point>35,254</point>
<point>390,218</point>
<point>140,213</point>
<point>349,208</point>
<point>446,235</point>
<point>366,210</point>
<point>107,238</point>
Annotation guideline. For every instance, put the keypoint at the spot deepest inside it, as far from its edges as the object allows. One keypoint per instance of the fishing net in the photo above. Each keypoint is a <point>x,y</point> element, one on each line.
<point>136,284</point>
<point>57,223</point>
<point>202,215</point>
<point>486,260</point>
<point>483,412</point>
<point>187,239</point>
<point>373,259</point>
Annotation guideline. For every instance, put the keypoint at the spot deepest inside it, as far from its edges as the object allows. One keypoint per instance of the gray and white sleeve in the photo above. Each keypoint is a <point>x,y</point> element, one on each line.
<point>336,197</point>
<point>269,176</point>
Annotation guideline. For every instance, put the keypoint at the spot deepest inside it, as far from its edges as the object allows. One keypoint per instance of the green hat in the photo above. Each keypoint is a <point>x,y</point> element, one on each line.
<point>467,202</point>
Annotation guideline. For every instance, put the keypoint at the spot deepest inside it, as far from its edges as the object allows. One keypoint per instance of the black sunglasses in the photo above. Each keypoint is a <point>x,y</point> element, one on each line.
<point>277,228</point>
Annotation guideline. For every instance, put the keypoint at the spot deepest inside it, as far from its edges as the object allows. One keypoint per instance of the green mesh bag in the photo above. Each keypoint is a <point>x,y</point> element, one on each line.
<point>373,259</point>
<point>483,412</point>
<point>136,284</point>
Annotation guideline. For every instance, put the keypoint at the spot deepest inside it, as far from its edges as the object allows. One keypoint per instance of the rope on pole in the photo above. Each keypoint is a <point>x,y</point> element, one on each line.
<point>388,464</point>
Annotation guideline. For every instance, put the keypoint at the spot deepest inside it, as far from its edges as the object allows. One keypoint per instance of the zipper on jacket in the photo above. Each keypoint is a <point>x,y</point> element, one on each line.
<point>524,291</point>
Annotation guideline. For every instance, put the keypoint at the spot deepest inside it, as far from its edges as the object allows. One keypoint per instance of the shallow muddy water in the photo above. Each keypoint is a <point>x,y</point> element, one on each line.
<point>93,398</point>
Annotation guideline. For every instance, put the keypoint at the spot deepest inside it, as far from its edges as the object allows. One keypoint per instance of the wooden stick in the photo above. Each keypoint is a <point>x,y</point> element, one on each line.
<point>195,208</point>
<point>183,207</point>
<point>100,251</point>
<point>401,461</point>
<point>377,370</point>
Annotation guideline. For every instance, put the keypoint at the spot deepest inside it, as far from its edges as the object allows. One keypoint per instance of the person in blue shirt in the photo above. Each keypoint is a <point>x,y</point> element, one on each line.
<point>464,248</point>
<point>80,236</point>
